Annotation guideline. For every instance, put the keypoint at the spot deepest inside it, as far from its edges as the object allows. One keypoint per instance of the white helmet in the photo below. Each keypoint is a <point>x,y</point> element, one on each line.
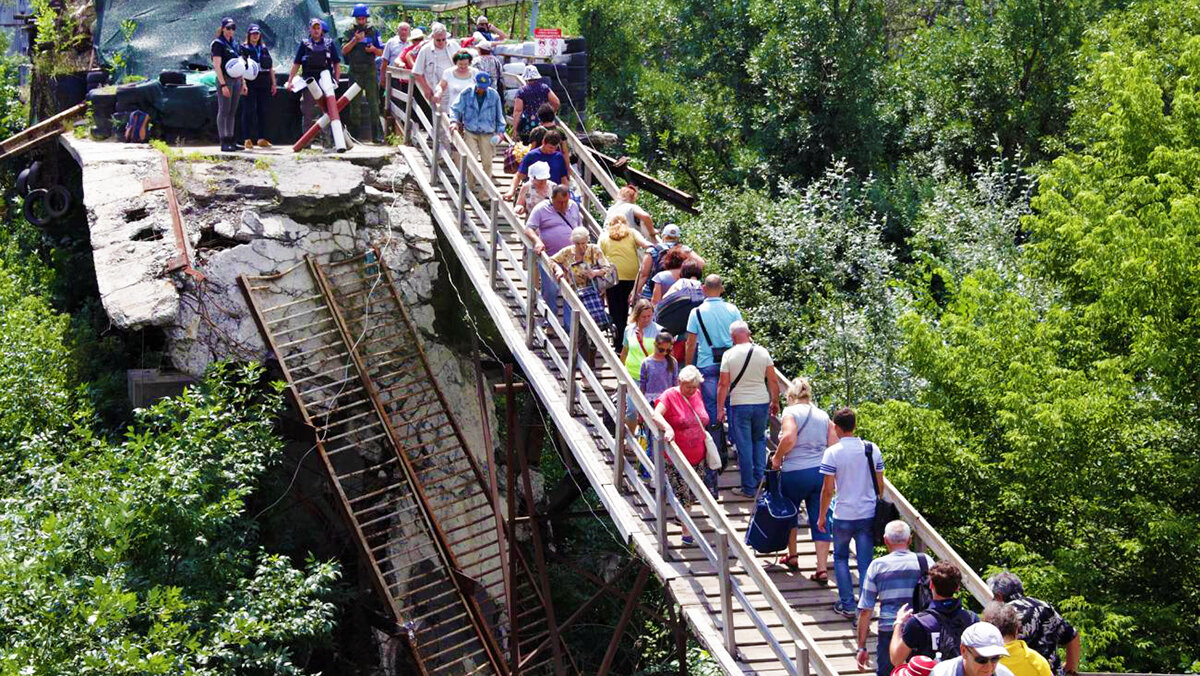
<point>252,70</point>
<point>236,67</point>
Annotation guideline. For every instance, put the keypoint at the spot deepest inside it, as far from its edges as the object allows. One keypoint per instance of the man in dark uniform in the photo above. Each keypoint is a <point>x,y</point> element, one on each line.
<point>360,47</point>
<point>314,55</point>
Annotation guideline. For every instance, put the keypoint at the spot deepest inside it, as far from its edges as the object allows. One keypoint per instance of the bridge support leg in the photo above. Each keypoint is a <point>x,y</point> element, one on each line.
<point>631,603</point>
<point>510,406</point>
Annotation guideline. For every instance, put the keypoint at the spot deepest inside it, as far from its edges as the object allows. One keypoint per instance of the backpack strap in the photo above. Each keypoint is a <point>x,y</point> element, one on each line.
<point>869,448</point>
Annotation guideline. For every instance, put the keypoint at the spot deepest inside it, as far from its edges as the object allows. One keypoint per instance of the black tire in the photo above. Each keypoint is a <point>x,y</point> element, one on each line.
<point>552,71</point>
<point>29,210</point>
<point>35,176</point>
<point>172,77</point>
<point>23,181</point>
<point>58,202</point>
<point>573,45</point>
<point>96,79</point>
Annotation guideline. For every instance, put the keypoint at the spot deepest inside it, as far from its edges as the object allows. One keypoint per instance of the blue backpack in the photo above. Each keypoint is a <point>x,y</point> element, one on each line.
<point>774,518</point>
<point>138,128</point>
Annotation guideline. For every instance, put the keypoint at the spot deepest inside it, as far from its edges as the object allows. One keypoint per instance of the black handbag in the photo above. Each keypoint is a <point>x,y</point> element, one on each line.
<point>885,510</point>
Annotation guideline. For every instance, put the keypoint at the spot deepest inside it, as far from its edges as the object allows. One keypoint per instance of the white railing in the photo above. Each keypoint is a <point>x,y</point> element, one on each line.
<point>799,653</point>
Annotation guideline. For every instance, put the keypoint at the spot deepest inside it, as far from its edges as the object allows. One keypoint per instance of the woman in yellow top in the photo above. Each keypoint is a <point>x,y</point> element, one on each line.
<point>620,244</point>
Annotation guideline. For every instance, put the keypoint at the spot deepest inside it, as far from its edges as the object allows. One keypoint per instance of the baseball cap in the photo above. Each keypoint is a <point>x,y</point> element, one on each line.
<point>315,22</point>
<point>671,231</point>
<point>539,171</point>
<point>918,665</point>
<point>985,639</point>
<point>228,23</point>
<point>481,19</point>
<point>254,29</point>
<point>483,79</point>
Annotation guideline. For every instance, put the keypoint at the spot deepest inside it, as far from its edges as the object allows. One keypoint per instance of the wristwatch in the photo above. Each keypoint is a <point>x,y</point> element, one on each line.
<point>862,649</point>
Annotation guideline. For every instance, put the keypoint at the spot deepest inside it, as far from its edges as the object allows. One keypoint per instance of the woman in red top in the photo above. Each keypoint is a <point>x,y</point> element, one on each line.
<point>681,416</point>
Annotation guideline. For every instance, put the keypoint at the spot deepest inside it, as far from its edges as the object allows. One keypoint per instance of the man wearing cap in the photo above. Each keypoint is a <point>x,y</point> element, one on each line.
<point>889,580</point>
<point>490,33</point>
<point>360,46</point>
<point>479,115</point>
<point>316,53</point>
<point>1042,627</point>
<point>980,651</point>
<point>393,48</point>
<point>433,58</point>
<point>652,261</point>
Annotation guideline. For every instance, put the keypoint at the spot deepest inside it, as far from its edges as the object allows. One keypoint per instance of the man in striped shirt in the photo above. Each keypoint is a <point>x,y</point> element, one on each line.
<point>890,580</point>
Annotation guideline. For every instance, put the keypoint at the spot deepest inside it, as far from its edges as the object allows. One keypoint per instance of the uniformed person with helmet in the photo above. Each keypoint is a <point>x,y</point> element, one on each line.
<point>360,47</point>
<point>315,54</point>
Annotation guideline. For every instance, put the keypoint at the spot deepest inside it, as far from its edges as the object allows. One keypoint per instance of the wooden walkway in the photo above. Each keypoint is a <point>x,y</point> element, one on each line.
<point>753,616</point>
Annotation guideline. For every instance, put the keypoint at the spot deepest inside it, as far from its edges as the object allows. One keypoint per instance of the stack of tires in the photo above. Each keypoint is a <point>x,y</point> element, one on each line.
<point>569,76</point>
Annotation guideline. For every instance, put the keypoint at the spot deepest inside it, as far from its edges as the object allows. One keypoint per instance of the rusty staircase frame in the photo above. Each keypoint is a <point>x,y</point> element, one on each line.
<point>321,343</point>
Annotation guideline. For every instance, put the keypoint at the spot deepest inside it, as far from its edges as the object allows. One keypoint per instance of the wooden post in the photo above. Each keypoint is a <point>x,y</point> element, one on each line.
<point>408,108</point>
<point>494,234</point>
<point>660,494</point>
<point>801,659</point>
<point>437,146</point>
<point>619,435</point>
<point>573,360</point>
<point>387,98</point>
<point>462,191</point>
<point>531,277</point>
<point>726,591</point>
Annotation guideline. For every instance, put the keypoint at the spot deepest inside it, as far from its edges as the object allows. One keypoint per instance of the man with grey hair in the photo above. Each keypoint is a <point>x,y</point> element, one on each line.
<point>435,56</point>
<point>749,382</point>
<point>1042,628</point>
<point>890,580</point>
<point>392,51</point>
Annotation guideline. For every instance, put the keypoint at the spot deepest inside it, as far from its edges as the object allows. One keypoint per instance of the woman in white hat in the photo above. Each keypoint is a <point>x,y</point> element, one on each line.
<point>536,190</point>
<point>529,99</point>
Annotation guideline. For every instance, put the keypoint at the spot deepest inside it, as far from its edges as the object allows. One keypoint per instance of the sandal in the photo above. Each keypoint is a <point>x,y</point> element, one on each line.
<point>790,562</point>
<point>821,577</point>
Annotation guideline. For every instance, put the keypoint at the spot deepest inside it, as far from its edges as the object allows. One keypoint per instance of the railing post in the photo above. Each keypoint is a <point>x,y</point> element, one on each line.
<point>494,235</point>
<point>726,590</point>
<point>619,435</point>
<point>408,108</point>
<point>531,276</point>
<point>573,358</point>
<point>801,659</point>
<point>388,101</point>
<point>660,493</point>
<point>462,191</point>
<point>437,146</point>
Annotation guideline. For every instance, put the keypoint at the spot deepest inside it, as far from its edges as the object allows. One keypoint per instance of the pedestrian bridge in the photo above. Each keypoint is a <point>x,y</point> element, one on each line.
<point>427,520</point>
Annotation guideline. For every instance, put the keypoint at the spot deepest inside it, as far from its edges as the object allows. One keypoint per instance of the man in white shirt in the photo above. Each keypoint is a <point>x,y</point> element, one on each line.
<point>980,651</point>
<point>748,379</point>
<point>850,469</point>
<point>436,55</point>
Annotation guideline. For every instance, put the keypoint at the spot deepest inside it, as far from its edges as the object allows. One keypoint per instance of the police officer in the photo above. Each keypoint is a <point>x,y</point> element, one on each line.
<point>360,47</point>
<point>315,54</point>
<point>229,70</point>
<point>258,91</point>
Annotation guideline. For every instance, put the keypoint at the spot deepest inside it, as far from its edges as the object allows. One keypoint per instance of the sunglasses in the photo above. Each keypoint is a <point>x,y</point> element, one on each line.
<point>439,39</point>
<point>984,660</point>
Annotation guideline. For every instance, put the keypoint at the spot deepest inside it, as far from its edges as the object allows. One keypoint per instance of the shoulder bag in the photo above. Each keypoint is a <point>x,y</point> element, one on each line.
<point>717,352</point>
<point>885,511</point>
<point>712,457</point>
<point>745,365</point>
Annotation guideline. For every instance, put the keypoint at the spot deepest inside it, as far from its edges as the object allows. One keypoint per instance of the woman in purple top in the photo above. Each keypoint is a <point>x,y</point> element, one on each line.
<point>529,99</point>
<point>659,370</point>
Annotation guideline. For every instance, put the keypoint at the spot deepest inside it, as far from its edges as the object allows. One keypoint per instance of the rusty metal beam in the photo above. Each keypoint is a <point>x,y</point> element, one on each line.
<point>626,615</point>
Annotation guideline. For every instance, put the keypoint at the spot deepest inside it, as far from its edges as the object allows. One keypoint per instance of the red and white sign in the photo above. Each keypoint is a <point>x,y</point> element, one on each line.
<point>549,41</point>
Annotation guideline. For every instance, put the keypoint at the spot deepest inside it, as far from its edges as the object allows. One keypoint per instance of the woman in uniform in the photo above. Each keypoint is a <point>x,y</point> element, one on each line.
<point>258,90</point>
<point>229,88</point>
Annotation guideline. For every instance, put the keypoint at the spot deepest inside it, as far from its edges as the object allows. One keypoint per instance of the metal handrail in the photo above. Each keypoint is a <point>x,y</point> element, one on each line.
<point>804,644</point>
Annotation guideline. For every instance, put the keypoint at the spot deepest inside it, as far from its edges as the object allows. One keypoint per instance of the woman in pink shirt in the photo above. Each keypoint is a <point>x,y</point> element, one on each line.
<point>681,416</point>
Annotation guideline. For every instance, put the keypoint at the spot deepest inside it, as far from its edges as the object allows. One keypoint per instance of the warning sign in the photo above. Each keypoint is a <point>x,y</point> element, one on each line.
<point>549,41</point>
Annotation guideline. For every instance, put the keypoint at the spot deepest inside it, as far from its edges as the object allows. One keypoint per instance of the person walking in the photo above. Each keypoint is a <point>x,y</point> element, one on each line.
<point>534,191</point>
<point>549,229</point>
<point>805,431</point>
<point>315,54</point>
<point>652,260</point>
<point>681,417</point>
<point>408,56</point>
<point>850,467</point>
<point>393,49</point>
<point>1021,659</point>
<point>749,384</point>
<point>637,344</point>
<point>479,116</point>
<point>360,46</point>
<point>621,244</point>
<point>626,205</point>
<point>711,321</point>
<point>489,63</point>
<point>935,631</point>
<point>455,80</point>
<point>889,580</point>
<point>225,60</point>
<point>1042,627</point>
<point>258,91</point>
<point>529,98</point>
<point>980,652</point>
<point>434,56</point>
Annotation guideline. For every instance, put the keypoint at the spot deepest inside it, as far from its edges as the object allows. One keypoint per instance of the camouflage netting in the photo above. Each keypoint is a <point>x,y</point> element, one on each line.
<point>176,34</point>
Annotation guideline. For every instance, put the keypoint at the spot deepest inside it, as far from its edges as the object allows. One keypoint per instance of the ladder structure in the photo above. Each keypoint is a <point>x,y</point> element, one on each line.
<point>424,517</point>
<point>753,617</point>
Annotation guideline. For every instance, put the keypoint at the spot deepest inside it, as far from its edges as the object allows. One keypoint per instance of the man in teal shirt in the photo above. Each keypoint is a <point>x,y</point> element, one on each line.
<point>707,339</point>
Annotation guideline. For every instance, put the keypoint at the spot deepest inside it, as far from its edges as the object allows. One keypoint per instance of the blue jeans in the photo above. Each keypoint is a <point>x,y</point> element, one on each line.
<point>748,427</point>
<point>803,487</point>
<point>883,659</point>
<point>845,530</point>
<point>550,295</point>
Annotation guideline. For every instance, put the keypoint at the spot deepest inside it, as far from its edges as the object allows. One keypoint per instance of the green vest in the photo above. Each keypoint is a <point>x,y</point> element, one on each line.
<point>359,56</point>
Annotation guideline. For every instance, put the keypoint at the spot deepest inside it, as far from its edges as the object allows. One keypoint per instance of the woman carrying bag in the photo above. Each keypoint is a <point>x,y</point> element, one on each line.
<point>583,263</point>
<point>681,417</point>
